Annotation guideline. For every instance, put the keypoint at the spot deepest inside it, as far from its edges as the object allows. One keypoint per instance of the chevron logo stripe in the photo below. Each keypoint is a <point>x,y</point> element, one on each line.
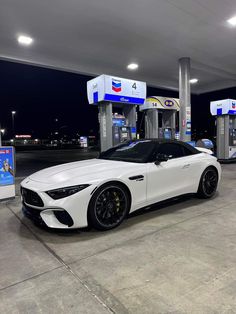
<point>116,85</point>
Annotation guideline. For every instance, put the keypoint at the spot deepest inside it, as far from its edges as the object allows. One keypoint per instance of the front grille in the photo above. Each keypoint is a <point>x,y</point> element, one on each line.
<point>31,197</point>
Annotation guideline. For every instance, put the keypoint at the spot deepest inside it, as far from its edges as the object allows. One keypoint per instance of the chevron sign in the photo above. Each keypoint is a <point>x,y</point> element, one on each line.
<point>116,85</point>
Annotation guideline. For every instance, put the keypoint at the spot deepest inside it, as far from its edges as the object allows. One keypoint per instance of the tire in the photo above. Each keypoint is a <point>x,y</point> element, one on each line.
<point>208,183</point>
<point>108,206</point>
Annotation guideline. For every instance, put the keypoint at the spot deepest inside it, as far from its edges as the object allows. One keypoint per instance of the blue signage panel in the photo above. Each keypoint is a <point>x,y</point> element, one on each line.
<point>7,166</point>
<point>95,97</point>
<point>219,112</point>
<point>124,99</point>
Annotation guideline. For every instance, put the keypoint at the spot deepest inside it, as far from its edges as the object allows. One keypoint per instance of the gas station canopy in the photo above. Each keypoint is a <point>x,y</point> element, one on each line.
<point>94,37</point>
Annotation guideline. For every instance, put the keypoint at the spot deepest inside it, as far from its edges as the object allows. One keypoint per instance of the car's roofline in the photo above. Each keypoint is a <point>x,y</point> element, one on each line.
<point>166,141</point>
<point>158,140</point>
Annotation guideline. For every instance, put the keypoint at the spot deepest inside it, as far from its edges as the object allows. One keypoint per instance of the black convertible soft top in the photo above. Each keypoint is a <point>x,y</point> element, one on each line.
<point>162,141</point>
<point>130,151</point>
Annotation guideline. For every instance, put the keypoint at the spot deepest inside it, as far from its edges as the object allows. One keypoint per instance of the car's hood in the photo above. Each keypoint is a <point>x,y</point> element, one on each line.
<point>82,171</point>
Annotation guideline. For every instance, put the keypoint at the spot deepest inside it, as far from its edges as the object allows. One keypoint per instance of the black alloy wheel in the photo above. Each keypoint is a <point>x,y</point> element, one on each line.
<point>109,206</point>
<point>208,183</point>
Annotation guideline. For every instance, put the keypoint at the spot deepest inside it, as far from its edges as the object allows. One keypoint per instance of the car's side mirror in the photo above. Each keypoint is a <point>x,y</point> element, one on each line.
<point>160,158</point>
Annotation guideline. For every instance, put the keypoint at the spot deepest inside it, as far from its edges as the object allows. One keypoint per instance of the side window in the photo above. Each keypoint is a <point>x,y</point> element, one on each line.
<point>172,150</point>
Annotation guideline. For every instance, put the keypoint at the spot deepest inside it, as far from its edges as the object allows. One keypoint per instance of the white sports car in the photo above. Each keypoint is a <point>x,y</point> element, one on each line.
<point>101,192</point>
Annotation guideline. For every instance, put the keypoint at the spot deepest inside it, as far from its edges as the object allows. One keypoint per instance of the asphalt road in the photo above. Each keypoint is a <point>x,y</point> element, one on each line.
<point>28,162</point>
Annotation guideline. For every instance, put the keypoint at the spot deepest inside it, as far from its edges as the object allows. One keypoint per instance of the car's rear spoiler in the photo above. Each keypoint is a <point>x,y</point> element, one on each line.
<point>205,150</point>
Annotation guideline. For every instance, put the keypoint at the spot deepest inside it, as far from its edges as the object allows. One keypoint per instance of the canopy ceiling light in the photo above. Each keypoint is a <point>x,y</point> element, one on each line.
<point>232,21</point>
<point>25,40</point>
<point>193,81</point>
<point>132,66</point>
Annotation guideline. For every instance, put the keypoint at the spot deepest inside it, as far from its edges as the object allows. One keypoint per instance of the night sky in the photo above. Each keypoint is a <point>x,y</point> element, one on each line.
<point>41,95</point>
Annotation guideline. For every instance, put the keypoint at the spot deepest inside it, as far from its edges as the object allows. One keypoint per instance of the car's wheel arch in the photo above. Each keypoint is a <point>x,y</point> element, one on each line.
<point>203,168</point>
<point>110,182</point>
<point>209,167</point>
<point>113,181</point>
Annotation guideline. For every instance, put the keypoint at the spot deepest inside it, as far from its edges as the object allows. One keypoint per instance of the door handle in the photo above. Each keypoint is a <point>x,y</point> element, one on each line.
<point>137,178</point>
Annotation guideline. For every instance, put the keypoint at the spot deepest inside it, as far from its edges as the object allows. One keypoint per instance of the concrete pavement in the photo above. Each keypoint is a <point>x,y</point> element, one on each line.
<point>177,258</point>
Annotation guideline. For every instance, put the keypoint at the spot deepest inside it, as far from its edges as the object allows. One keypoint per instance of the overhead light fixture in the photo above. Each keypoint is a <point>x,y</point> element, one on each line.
<point>193,81</point>
<point>132,66</point>
<point>232,21</point>
<point>25,40</point>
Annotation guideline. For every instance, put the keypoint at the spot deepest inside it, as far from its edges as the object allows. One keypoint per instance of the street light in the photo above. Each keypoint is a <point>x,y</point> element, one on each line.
<point>13,123</point>
<point>2,131</point>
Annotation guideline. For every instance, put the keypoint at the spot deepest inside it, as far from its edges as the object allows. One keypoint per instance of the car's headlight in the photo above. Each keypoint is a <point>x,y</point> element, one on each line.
<point>67,191</point>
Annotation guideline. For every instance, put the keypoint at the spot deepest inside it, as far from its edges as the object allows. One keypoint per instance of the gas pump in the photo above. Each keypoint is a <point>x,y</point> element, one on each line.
<point>121,131</point>
<point>112,93</point>
<point>160,117</point>
<point>225,112</point>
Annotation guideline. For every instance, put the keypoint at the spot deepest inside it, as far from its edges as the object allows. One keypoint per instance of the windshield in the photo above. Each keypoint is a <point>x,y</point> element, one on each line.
<point>139,151</point>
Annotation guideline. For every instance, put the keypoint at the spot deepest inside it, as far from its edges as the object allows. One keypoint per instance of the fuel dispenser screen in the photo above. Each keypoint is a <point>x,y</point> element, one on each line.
<point>118,122</point>
<point>167,134</point>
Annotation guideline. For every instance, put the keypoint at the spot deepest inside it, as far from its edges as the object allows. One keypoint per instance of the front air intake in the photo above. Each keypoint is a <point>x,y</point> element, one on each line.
<point>63,217</point>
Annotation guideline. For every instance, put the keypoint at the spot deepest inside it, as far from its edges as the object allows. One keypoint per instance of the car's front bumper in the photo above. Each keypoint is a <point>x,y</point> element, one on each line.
<point>32,214</point>
<point>66,213</point>
<point>53,218</point>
